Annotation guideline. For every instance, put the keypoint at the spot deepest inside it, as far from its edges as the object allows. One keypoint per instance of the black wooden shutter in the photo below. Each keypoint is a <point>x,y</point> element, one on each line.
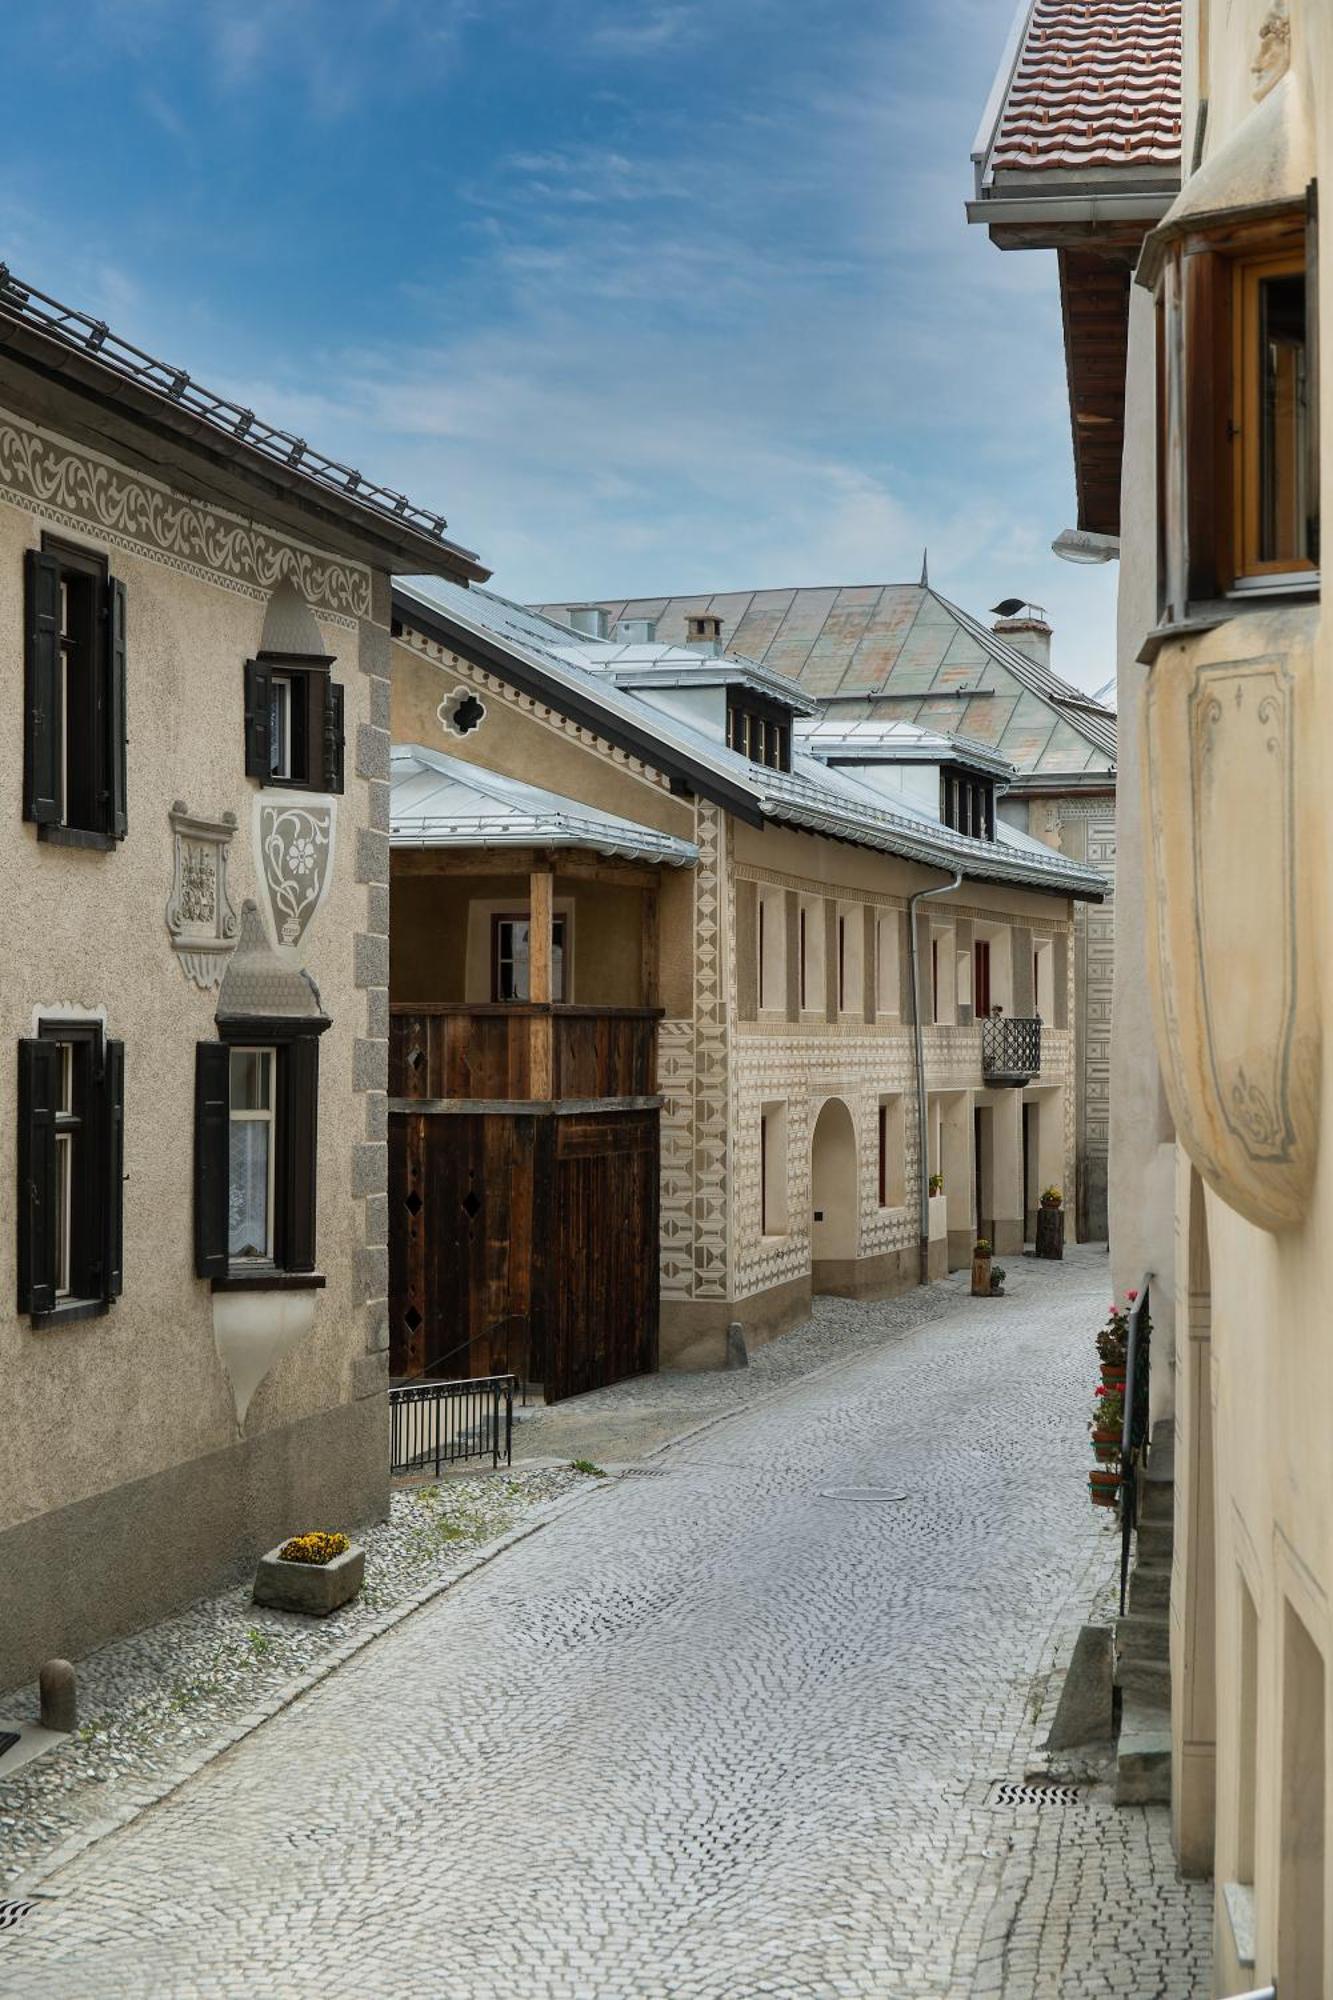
<point>334,738</point>
<point>113,1159</point>
<point>117,815</point>
<point>42,719</point>
<point>258,721</point>
<point>39,1093</point>
<point>300,1153</point>
<point>212,1105</point>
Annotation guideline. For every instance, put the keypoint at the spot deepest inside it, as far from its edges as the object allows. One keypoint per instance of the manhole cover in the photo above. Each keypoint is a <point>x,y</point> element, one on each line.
<point>8,1738</point>
<point>885,1493</point>
<point>13,1913</point>
<point>1034,1792</point>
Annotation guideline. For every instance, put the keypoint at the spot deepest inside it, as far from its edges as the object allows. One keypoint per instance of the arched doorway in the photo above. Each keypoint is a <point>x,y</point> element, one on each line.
<point>833,1198</point>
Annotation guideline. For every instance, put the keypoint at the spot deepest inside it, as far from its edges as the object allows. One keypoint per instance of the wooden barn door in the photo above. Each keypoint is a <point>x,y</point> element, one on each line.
<point>599,1262</point>
<point>460,1242</point>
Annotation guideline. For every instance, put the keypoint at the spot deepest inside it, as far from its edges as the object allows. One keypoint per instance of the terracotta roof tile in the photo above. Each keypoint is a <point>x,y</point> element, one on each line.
<point>1096,84</point>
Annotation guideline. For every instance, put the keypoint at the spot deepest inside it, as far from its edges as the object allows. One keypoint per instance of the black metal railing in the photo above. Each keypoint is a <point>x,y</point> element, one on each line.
<point>1011,1048</point>
<point>1134,1430</point>
<point>436,1424</point>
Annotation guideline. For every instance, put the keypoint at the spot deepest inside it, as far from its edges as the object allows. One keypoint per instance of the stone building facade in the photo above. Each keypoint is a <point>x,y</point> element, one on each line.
<point>192,1314</point>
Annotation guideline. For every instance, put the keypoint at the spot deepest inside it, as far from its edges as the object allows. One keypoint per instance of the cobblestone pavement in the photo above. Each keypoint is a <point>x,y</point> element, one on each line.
<point>714,1733</point>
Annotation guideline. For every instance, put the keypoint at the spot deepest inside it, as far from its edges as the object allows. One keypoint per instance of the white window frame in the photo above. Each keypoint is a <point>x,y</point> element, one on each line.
<point>268,1116</point>
<point>280,725</point>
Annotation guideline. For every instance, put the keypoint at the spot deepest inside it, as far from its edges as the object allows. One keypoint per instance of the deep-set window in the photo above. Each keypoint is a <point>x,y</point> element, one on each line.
<point>294,733</point>
<point>967,803</point>
<point>256,1154</point>
<point>74,733</point>
<point>70,1170</point>
<point>759,730</point>
<point>1238,449</point>
<point>511,956</point>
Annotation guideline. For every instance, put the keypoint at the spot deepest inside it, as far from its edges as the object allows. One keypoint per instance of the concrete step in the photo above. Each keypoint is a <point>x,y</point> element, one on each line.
<point>1142,1638</point>
<point>1155,1542</point>
<point>1163,1453</point>
<point>1157,1501</point>
<point>1143,1756</point>
<point>1150,1588</point>
<point>1147,1682</point>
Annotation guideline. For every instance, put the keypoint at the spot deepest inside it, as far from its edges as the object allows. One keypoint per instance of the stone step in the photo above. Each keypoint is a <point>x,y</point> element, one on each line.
<point>1163,1453</point>
<point>1155,1541</point>
<point>1157,1501</point>
<point>1147,1682</point>
<point>1150,1588</point>
<point>1143,1755</point>
<point>1142,1638</point>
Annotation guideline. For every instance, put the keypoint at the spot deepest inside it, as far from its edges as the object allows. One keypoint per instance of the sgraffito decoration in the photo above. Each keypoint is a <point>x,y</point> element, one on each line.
<point>1237,1019</point>
<point>201,921</point>
<point>294,835</point>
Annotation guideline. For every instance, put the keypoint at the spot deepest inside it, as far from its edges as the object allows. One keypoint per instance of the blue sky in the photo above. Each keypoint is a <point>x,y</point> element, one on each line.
<point>645,295</point>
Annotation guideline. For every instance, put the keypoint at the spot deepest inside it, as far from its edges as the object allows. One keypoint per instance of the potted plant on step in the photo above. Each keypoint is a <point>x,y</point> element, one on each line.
<point>1051,1224</point>
<point>316,1573</point>
<point>1107,1425</point>
<point>981,1268</point>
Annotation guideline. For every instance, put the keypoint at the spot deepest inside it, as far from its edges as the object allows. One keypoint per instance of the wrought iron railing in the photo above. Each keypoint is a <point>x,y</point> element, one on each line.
<point>1134,1432</point>
<point>1011,1047</point>
<point>436,1424</point>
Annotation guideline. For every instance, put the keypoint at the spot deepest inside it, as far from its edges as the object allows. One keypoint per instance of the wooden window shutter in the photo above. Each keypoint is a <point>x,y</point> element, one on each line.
<point>113,1155</point>
<point>258,721</point>
<point>39,1091</point>
<point>1207,381</point>
<point>335,738</point>
<point>1312,368</point>
<point>299,1153</point>
<point>212,1105</point>
<point>42,719</point>
<point>116,719</point>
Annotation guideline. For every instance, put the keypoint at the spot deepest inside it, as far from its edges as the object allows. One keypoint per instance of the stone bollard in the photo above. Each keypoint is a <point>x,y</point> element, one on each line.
<point>58,1691</point>
<point>737,1353</point>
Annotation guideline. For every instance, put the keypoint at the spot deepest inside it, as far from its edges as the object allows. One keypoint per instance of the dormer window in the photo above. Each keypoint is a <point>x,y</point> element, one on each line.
<point>967,803</point>
<point>758,729</point>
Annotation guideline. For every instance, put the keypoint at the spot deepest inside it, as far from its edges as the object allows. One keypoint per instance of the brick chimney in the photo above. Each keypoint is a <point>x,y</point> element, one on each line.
<point>703,632</point>
<point>1024,627</point>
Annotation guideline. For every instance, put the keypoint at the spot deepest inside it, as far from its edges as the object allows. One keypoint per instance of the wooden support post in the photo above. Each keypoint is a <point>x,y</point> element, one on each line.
<point>650,974</point>
<point>540,937</point>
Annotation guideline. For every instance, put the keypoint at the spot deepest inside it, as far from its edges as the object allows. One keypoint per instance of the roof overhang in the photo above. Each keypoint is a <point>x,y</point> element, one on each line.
<point>576,704</point>
<point>56,381</point>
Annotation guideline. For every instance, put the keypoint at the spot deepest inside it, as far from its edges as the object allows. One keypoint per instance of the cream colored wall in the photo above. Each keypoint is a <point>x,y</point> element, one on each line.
<point>141,1388</point>
<point>1252,1376</point>
<point>431,914</point>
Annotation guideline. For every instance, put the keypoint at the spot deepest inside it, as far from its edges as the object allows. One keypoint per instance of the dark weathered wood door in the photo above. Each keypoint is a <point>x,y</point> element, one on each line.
<point>599,1263</point>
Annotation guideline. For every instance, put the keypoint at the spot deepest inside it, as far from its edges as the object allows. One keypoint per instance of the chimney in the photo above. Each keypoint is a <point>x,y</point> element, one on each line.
<point>1023,626</point>
<point>589,619</point>
<point>636,631</point>
<point>703,632</point>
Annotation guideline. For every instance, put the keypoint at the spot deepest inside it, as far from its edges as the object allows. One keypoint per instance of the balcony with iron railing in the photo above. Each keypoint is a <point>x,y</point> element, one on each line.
<point>1011,1049</point>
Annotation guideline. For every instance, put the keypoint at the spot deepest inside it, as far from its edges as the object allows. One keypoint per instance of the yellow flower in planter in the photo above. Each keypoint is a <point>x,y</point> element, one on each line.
<point>316,1547</point>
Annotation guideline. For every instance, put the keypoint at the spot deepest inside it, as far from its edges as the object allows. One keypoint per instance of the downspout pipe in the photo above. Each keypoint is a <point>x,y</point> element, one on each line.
<point>923,1139</point>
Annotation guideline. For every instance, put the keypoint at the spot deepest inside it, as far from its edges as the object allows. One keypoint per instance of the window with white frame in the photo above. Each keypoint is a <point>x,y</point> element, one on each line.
<point>251,1155</point>
<point>813,993</point>
<point>892,1152</point>
<point>851,978</point>
<point>887,963</point>
<point>71,1106</point>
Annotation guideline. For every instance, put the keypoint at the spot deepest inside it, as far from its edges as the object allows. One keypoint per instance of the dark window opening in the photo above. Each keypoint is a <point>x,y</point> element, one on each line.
<point>759,730</point>
<point>71,1174</point>
<point>74,708</point>
<point>294,731</point>
<point>967,804</point>
<point>511,956</point>
<point>981,978</point>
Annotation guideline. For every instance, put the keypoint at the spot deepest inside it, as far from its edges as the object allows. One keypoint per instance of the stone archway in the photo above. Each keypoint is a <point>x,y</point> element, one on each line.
<point>834,1192</point>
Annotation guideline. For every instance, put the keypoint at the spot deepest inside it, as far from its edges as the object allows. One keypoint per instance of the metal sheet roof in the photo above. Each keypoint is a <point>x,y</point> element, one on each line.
<point>903,650</point>
<point>811,795</point>
<point>442,801</point>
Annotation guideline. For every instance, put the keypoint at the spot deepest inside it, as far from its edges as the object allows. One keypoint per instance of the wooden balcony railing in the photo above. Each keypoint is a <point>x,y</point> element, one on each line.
<point>514,1052</point>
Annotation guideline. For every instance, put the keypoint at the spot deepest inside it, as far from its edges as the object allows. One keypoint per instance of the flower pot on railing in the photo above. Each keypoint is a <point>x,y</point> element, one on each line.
<point>1051,1225</point>
<point>1104,1485</point>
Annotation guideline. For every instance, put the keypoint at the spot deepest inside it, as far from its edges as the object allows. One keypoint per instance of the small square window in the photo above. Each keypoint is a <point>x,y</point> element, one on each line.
<point>294,732</point>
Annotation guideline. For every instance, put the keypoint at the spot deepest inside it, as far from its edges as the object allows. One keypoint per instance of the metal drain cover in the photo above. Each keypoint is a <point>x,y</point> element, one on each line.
<point>884,1493</point>
<point>8,1738</point>
<point>13,1913</point>
<point>1034,1792</point>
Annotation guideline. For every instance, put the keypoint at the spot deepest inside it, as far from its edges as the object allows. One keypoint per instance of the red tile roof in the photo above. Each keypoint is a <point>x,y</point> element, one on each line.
<point>1096,84</point>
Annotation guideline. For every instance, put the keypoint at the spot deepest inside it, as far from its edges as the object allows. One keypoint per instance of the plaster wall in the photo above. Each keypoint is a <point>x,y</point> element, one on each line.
<point>433,914</point>
<point>105,1413</point>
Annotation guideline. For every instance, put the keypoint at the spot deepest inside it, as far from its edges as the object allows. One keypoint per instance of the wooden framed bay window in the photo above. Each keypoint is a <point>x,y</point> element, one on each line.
<point>71,1151</point>
<point>1239,411</point>
<point>256,1147</point>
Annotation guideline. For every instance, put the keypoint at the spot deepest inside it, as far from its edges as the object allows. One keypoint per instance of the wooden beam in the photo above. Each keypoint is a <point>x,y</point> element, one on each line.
<point>541,917</point>
<point>571,866</point>
<point>650,948</point>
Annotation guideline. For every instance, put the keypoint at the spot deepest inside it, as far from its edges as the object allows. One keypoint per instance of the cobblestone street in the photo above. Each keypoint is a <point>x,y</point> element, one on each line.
<point>712,1733</point>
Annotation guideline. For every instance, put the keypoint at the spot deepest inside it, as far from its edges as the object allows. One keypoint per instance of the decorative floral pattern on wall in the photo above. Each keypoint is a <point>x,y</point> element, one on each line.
<point>294,838</point>
<point>201,921</point>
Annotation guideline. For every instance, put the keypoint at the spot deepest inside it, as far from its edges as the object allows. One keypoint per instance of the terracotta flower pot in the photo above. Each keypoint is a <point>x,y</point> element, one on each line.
<point>1106,1446</point>
<point>1113,1374</point>
<point>1104,1487</point>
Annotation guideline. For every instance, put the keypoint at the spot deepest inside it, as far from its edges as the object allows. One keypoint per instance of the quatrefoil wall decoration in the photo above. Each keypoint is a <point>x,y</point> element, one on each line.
<point>461,712</point>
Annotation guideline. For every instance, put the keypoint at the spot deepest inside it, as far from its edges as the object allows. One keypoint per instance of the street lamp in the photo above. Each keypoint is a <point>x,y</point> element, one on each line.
<point>1080,545</point>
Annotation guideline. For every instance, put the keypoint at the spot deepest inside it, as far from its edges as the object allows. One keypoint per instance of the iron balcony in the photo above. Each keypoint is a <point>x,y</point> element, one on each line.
<point>1010,1049</point>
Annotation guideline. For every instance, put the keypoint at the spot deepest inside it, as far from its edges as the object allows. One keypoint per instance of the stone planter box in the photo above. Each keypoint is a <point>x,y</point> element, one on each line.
<point>315,1588</point>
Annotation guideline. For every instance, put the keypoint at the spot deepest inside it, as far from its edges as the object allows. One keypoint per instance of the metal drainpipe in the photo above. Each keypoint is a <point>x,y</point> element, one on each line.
<point>923,1140</point>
